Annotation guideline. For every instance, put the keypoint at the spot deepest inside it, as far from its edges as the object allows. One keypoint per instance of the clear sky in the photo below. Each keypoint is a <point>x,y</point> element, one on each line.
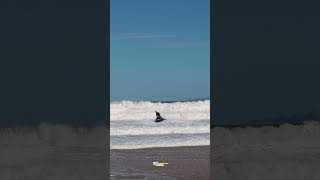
<point>160,50</point>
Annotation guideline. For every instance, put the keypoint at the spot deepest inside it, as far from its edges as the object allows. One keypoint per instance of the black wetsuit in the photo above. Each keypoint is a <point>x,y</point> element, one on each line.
<point>159,118</point>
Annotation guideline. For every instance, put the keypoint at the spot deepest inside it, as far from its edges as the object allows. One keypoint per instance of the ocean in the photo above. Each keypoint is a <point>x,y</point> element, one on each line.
<point>132,124</point>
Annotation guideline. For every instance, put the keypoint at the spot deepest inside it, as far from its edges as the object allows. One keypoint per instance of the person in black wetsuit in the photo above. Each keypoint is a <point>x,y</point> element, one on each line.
<point>159,118</point>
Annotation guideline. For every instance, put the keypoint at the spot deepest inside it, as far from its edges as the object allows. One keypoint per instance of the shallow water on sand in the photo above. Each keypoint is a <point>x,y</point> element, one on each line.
<point>140,175</point>
<point>184,163</point>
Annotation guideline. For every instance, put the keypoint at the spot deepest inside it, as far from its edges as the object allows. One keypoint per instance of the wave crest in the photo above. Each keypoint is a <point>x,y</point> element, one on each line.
<point>129,110</point>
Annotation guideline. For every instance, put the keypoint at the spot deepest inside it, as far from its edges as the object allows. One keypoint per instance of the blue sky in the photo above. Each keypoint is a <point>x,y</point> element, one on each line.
<point>160,50</point>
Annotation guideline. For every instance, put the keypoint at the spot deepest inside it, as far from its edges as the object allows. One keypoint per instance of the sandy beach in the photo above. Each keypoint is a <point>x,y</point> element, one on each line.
<point>188,163</point>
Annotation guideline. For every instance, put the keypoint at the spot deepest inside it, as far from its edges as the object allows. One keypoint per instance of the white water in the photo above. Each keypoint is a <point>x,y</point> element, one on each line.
<point>132,124</point>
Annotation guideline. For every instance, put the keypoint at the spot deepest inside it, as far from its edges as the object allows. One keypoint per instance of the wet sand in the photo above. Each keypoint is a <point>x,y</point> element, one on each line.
<point>184,163</point>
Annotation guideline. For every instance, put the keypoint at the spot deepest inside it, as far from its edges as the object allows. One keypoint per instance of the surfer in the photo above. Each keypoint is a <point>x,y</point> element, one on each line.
<point>159,118</point>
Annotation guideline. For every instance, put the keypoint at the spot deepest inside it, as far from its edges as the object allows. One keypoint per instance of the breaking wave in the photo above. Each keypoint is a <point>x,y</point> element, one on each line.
<point>151,141</point>
<point>159,129</point>
<point>132,124</point>
<point>129,110</point>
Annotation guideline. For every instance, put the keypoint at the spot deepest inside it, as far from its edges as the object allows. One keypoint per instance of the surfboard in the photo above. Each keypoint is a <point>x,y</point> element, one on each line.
<point>159,120</point>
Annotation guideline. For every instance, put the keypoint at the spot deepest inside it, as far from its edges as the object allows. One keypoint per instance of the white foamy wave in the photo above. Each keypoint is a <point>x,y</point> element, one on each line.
<point>129,110</point>
<point>132,124</point>
<point>172,140</point>
<point>144,130</point>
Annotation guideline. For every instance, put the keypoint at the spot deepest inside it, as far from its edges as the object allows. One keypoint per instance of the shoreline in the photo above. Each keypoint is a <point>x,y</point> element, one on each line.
<point>169,147</point>
<point>185,162</point>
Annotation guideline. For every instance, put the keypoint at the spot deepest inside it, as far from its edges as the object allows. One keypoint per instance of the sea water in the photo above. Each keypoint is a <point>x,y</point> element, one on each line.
<point>132,124</point>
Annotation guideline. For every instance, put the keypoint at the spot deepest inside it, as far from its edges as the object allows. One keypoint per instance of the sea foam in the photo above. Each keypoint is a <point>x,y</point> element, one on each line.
<point>132,124</point>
